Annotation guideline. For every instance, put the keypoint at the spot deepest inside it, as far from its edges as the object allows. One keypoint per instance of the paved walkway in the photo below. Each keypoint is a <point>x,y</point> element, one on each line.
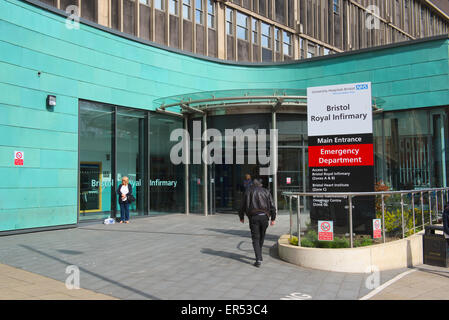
<point>16,284</point>
<point>423,283</point>
<point>172,257</point>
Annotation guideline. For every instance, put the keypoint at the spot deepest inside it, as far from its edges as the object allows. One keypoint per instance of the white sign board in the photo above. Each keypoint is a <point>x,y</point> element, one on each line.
<point>340,109</point>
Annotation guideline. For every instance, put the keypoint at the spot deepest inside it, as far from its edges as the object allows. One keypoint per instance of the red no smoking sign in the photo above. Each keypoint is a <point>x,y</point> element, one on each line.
<point>325,230</point>
<point>18,158</point>
<point>377,229</point>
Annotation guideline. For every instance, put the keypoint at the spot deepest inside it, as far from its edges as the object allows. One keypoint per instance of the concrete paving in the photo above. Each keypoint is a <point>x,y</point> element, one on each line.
<point>176,257</point>
<point>425,283</point>
<point>16,284</point>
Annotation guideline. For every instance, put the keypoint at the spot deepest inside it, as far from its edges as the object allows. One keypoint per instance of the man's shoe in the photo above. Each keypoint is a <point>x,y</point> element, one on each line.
<point>257,264</point>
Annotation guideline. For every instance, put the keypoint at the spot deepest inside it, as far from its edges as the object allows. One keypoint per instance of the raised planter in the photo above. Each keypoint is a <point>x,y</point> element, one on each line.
<point>392,255</point>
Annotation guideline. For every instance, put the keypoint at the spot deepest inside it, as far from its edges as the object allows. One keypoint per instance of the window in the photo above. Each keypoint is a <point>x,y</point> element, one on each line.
<point>159,4</point>
<point>336,6</point>
<point>255,27</point>
<point>266,35</point>
<point>242,26</point>
<point>173,7</point>
<point>229,21</point>
<point>277,39</point>
<point>186,9</point>
<point>326,51</point>
<point>287,43</point>
<point>199,11</point>
<point>145,2</point>
<point>311,50</point>
<point>211,13</point>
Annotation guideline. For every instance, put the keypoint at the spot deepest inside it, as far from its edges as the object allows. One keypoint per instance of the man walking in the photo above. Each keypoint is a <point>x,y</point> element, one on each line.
<point>258,205</point>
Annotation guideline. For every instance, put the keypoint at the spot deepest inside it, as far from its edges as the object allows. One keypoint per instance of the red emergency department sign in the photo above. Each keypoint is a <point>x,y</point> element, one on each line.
<point>377,229</point>
<point>18,158</point>
<point>325,230</point>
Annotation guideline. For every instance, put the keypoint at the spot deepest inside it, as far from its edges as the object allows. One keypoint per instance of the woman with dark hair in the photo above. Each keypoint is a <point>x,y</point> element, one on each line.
<point>124,192</point>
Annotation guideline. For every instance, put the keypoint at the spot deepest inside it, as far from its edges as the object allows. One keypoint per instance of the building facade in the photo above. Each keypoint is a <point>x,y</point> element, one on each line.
<point>111,118</point>
<point>266,30</point>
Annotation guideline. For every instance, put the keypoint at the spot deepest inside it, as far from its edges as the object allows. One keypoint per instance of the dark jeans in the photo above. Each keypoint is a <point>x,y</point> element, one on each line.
<point>258,226</point>
<point>124,210</point>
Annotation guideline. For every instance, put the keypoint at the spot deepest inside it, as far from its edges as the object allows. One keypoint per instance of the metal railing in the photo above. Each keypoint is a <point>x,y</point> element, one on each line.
<point>431,193</point>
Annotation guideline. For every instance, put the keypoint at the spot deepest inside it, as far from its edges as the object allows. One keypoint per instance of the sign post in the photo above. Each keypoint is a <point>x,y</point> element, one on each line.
<point>341,157</point>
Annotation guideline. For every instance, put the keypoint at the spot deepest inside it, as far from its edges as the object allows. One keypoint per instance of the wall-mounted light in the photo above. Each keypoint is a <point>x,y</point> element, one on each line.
<point>51,101</point>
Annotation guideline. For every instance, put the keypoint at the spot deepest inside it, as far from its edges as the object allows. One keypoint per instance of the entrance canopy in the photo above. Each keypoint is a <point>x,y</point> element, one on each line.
<point>223,100</point>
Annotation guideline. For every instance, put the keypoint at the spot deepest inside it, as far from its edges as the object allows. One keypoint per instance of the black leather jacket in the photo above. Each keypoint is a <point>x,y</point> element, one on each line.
<point>256,200</point>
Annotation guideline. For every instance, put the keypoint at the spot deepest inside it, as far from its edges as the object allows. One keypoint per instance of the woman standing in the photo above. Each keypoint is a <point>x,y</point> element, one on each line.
<point>124,191</point>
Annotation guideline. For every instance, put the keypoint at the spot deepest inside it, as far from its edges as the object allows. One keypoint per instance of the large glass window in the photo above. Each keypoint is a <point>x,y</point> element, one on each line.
<point>173,7</point>
<point>211,14</point>
<point>166,179</point>
<point>287,43</point>
<point>186,9</point>
<point>229,21</point>
<point>159,4</point>
<point>242,26</point>
<point>199,11</point>
<point>255,30</point>
<point>131,155</point>
<point>415,147</point>
<point>266,35</point>
<point>95,152</point>
<point>115,142</point>
<point>277,39</point>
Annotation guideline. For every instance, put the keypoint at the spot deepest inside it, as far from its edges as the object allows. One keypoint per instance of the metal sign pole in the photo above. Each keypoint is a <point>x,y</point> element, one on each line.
<point>298,221</point>
<point>402,215</point>
<point>413,208</point>
<point>291,222</point>
<point>383,217</point>
<point>350,222</point>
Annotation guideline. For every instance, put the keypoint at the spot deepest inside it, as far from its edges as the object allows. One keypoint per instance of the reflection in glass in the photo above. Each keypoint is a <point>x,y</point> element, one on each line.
<point>95,144</point>
<point>166,179</point>
<point>131,156</point>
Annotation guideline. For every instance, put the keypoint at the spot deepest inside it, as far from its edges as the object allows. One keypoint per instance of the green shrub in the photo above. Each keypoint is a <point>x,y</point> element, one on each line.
<point>310,240</point>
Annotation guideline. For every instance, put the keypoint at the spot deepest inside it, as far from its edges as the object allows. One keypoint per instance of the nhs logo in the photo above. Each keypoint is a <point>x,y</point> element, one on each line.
<point>361,87</point>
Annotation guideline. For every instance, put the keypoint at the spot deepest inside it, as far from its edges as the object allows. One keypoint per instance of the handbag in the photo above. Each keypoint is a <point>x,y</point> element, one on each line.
<point>131,198</point>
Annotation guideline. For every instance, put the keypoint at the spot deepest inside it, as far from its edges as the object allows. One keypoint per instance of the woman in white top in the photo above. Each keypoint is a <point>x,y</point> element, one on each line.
<point>124,191</point>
